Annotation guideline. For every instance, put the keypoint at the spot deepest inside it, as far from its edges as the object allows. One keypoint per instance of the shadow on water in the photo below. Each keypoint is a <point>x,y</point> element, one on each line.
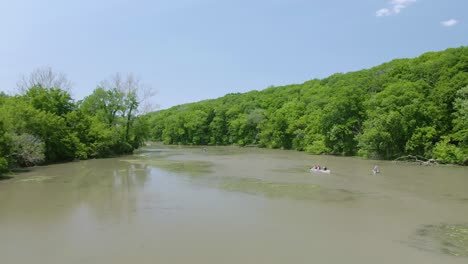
<point>14,171</point>
<point>449,239</point>
<point>4,177</point>
<point>20,170</point>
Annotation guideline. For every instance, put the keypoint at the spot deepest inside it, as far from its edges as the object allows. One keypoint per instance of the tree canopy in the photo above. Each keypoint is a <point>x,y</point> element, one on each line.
<point>404,107</point>
<point>45,125</point>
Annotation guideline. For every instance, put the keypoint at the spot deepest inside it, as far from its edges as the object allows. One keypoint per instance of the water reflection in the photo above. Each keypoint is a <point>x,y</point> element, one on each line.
<point>190,167</point>
<point>108,188</point>
<point>116,193</point>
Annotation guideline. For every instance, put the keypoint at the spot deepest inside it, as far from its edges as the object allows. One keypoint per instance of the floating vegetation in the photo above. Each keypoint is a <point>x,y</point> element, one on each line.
<point>299,191</point>
<point>417,159</point>
<point>191,167</point>
<point>447,239</point>
<point>37,179</point>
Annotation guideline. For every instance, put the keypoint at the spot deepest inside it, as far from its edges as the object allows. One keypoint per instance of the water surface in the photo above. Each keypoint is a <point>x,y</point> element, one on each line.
<point>234,205</point>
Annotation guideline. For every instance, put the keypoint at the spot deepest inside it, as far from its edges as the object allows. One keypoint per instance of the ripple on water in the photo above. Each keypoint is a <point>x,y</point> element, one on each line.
<point>37,179</point>
<point>292,170</point>
<point>450,239</point>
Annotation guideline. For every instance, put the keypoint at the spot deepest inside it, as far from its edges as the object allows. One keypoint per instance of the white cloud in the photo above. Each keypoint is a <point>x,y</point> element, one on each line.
<point>449,23</point>
<point>395,7</point>
<point>398,8</point>
<point>402,2</point>
<point>383,12</point>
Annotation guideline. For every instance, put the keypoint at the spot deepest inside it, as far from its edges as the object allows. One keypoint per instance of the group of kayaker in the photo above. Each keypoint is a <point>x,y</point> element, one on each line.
<point>375,170</point>
<point>318,168</point>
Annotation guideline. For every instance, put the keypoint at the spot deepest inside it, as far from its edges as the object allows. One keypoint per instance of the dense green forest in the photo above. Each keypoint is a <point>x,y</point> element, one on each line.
<point>45,125</point>
<point>403,107</point>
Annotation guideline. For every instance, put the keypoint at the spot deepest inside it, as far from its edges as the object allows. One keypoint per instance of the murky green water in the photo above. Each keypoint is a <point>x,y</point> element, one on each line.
<point>234,205</point>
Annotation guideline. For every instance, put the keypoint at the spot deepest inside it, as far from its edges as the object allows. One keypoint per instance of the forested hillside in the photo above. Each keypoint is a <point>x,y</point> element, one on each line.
<point>45,125</point>
<point>403,107</point>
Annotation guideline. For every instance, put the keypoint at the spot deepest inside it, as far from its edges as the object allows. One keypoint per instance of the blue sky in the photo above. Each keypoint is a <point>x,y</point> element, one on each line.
<point>194,50</point>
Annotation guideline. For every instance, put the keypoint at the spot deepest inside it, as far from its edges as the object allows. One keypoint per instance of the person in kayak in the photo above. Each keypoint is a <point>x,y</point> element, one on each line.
<point>376,169</point>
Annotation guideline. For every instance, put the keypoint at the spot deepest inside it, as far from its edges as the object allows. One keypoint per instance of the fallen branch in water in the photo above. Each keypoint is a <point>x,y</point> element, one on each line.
<point>418,159</point>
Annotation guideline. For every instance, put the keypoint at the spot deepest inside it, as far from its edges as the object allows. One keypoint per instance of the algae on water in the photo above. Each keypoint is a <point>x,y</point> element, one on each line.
<point>450,239</point>
<point>298,191</point>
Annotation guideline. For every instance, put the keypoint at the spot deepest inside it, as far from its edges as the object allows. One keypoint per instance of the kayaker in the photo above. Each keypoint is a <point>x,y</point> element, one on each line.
<point>376,169</point>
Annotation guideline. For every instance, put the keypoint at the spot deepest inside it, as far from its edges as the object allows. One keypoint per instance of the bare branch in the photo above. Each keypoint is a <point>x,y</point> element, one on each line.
<point>132,85</point>
<point>44,77</point>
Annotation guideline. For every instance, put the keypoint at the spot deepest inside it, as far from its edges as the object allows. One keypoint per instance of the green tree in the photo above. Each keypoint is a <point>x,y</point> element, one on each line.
<point>27,150</point>
<point>52,100</point>
<point>403,107</point>
<point>4,148</point>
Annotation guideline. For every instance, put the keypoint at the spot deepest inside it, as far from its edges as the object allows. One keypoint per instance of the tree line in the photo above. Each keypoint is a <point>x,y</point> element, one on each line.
<point>43,124</point>
<point>404,107</point>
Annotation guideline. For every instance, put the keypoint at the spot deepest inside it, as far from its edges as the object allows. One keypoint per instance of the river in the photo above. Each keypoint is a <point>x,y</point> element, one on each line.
<point>234,205</point>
